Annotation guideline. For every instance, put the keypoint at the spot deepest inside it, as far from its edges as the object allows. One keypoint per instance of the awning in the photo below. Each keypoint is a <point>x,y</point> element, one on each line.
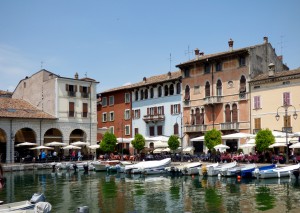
<point>189,149</point>
<point>158,150</point>
<point>201,138</point>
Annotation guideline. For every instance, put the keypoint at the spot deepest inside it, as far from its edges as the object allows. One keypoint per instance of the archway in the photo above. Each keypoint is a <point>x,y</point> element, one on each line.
<point>78,135</point>
<point>53,135</point>
<point>24,135</point>
<point>3,143</point>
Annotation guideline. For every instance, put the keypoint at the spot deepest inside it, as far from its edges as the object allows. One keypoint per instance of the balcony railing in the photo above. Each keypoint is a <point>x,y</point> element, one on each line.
<point>242,96</point>
<point>195,128</point>
<point>186,103</point>
<point>229,126</point>
<point>213,100</point>
<point>153,118</point>
<point>288,129</point>
<point>85,95</point>
<point>71,93</point>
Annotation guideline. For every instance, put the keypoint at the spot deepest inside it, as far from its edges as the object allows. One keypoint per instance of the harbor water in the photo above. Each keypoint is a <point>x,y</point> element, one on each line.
<point>109,193</point>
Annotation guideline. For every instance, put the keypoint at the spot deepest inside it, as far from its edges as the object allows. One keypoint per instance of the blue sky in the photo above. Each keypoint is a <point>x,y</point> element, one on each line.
<point>120,41</point>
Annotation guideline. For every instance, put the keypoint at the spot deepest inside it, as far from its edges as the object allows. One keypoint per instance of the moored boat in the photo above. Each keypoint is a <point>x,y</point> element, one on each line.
<point>141,166</point>
<point>103,165</point>
<point>203,170</point>
<point>213,171</point>
<point>278,172</point>
<point>253,172</point>
<point>191,168</point>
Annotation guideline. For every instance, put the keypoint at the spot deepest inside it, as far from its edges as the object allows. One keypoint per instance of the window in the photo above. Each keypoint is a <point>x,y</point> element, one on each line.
<point>142,94</point>
<point>176,129</point>
<point>85,91</point>
<point>151,130</point>
<point>207,89</point>
<point>187,93</point>
<point>257,123</point>
<point>127,97</point>
<point>219,88</point>
<point>71,89</point>
<point>166,90</point>
<point>127,129</point>
<point>199,116</point>
<point>104,101</point>
<point>206,68</point>
<point>218,66</point>
<point>159,91</point>
<point>146,93</point>
<point>160,110</point>
<point>84,110</point>
<point>137,114</point>
<point>159,130</point>
<point>286,99</point>
<point>111,100</point>
<point>112,129</point>
<point>186,72</point>
<point>127,114</point>
<point>234,113</point>
<point>178,88</point>
<point>151,111</point>
<point>175,109</point>
<point>171,89</point>
<point>242,61</point>
<point>242,84</point>
<point>257,102</point>
<point>111,116</point>
<point>227,114</point>
<point>104,117</point>
<point>196,90</point>
<point>136,95</point>
<point>71,109</point>
<point>151,92</point>
<point>136,131</point>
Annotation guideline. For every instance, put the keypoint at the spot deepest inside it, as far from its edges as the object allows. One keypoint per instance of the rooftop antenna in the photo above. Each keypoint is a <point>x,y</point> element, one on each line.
<point>170,61</point>
<point>42,65</point>
<point>188,52</point>
<point>281,44</point>
<point>85,74</point>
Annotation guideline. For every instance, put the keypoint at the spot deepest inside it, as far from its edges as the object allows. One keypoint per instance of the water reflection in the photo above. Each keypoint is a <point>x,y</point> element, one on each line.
<point>121,193</point>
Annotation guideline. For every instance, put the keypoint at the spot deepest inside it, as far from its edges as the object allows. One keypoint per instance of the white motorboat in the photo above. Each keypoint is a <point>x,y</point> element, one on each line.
<point>103,165</point>
<point>83,166</point>
<point>142,166</point>
<point>63,165</point>
<point>203,170</point>
<point>153,171</point>
<point>24,205</point>
<point>213,171</point>
<point>237,170</point>
<point>191,168</point>
<point>278,172</point>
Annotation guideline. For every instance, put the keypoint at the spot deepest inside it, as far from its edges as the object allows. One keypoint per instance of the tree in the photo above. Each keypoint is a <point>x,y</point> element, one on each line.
<point>264,138</point>
<point>173,142</point>
<point>108,142</point>
<point>212,138</point>
<point>138,142</point>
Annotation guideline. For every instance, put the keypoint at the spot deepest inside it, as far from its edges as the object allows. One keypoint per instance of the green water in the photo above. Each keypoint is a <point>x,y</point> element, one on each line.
<point>118,193</point>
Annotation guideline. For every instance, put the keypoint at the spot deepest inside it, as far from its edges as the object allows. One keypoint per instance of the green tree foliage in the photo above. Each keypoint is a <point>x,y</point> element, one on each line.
<point>138,142</point>
<point>212,138</point>
<point>264,138</point>
<point>108,142</point>
<point>173,142</point>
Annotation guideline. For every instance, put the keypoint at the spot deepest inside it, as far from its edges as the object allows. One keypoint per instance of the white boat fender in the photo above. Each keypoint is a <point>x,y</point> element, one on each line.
<point>42,207</point>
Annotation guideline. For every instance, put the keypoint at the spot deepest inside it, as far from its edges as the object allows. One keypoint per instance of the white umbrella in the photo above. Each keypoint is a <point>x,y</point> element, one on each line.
<point>247,145</point>
<point>42,147</point>
<point>201,138</point>
<point>79,143</point>
<point>125,140</point>
<point>94,146</point>
<point>237,135</point>
<point>55,143</point>
<point>26,144</point>
<point>71,147</point>
<point>221,146</point>
<point>277,145</point>
<point>295,145</point>
<point>158,138</point>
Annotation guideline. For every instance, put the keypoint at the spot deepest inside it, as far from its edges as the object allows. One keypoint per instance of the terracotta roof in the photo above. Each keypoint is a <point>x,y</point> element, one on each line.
<point>286,73</point>
<point>17,108</point>
<point>2,92</point>
<point>170,76</point>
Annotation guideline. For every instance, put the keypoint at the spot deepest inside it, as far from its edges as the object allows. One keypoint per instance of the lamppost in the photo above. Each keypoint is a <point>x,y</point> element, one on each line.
<point>122,128</point>
<point>277,116</point>
<point>181,135</point>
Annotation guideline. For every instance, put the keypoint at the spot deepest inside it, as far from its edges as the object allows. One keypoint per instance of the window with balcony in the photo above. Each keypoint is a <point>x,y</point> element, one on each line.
<point>159,91</point>
<point>160,110</point>
<point>104,117</point>
<point>104,101</point>
<point>207,89</point>
<point>111,100</point>
<point>127,97</point>
<point>256,102</point>
<point>136,114</point>
<point>127,129</point>
<point>187,93</point>
<point>199,116</point>
<point>219,88</point>
<point>71,109</point>
<point>286,99</point>
<point>175,109</point>
<point>111,116</point>
<point>243,84</point>
<point>178,88</point>
<point>127,114</point>
<point>84,110</point>
<point>234,113</point>
<point>227,114</point>
<point>71,89</point>
<point>85,91</point>
<point>171,89</point>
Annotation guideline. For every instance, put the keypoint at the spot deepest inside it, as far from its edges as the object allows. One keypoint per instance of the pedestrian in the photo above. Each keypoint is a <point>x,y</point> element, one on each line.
<point>73,155</point>
<point>79,155</point>
<point>43,156</point>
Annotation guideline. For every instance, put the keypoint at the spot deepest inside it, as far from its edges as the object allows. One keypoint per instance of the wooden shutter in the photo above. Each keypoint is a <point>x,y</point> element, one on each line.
<point>179,109</point>
<point>139,113</point>
<point>151,130</point>
<point>287,121</point>
<point>148,111</point>
<point>67,87</point>
<point>155,110</point>
<point>257,123</point>
<point>162,110</point>
<point>71,109</point>
<point>81,89</point>
<point>176,129</point>
<point>159,130</point>
<point>234,113</point>
<point>227,114</point>
<point>136,131</point>
<point>171,109</point>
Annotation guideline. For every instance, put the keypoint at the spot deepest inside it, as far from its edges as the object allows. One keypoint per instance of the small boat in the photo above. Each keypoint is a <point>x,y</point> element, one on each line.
<point>237,170</point>
<point>191,168</point>
<point>252,172</point>
<point>23,205</point>
<point>141,166</point>
<point>153,171</point>
<point>295,174</point>
<point>203,170</point>
<point>63,165</point>
<point>103,165</point>
<point>83,166</point>
<point>213,171</point>
<point>278,172</point>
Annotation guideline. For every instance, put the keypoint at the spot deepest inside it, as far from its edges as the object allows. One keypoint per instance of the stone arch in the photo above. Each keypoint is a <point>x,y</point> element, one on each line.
<point>3,144</point>
<point>25,135</point>
<point>53,134</point>
<point>77,135</point>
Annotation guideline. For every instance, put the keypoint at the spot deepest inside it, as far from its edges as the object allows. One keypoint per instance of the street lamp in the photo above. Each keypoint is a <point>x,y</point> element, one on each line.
<point>181,135</point>
<point>277,116</point>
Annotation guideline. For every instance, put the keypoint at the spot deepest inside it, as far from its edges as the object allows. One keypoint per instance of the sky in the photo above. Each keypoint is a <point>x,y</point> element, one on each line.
<point>117,42</point>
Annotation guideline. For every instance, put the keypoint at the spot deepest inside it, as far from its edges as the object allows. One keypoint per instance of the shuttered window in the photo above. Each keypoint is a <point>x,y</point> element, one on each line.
<point>159,130</point>
<point>151,130</point>
<point>257,123</point>
<point>176,132</point>
<point>71,109</point>
<point>136,131</point>
<point>286,99</point>
<point>227,114</point>
<point>84,110</point>
<point>256,102</point>
<point>287,121</point>
<point>207,89</point>
<point>234,113</point>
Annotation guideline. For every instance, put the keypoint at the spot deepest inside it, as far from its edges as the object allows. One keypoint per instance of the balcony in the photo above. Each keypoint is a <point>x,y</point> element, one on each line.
<point>85,95</point>
<point>229,126</point>
<point>186,103</point>
<point>243,96</point>
<point>287,129</point>
<point>153,118</point>
<point>195,128</point>
<point>213,100</point>
<point>72,93</point>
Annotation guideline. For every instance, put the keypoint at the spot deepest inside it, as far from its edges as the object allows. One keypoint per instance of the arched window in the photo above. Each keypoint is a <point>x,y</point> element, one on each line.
<point>202,117</point>
<point>243,84</point>
<point>146,93</point>
<point>171,89</point>
<point>142,94</point>
<point>192,117</point>
<point>136,95</point>
<point>227,114</point>
<point>219,88</point>
<point>159,91</point>
<point>234,113</point>
<point>178,88</point>
<point>166,90</point>
<point>151,92</point>
<point>176,132</point>
<point>207,89</point>
<point>187,93</point>
<point>197,116</point>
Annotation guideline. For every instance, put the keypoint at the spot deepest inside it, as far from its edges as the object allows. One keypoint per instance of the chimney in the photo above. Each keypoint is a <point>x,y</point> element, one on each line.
<point>280,58</point>
<point>144,79</point>
<point>76,75</point>
<point>266,40</point>
<point>197,53</point>
<point>169,75</point>
<point>271,71</point>
<point>230,43</point>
